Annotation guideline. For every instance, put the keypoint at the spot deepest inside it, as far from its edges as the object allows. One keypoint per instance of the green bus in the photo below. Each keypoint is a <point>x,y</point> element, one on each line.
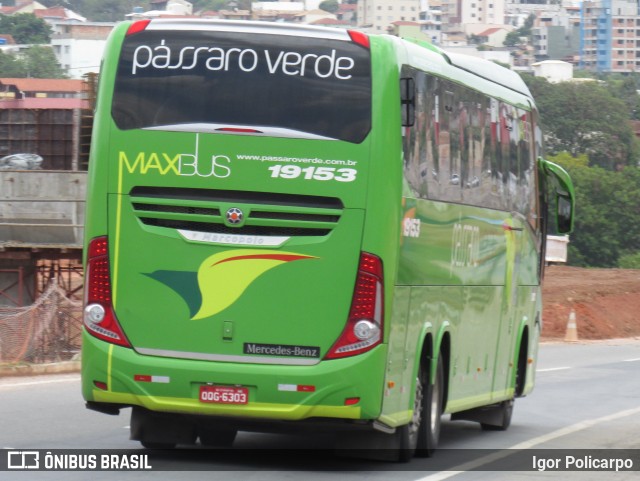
<point>297,227</point>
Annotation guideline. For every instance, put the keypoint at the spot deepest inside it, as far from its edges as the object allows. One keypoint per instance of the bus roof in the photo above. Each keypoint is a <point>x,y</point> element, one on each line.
<point>249,26</point>
<point>424,54</point>
<point>478,66</point>
<point>477,73</point>
<point>488,70</point>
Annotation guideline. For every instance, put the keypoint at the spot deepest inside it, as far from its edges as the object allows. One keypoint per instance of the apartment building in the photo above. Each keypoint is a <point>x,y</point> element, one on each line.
<point>377,16</point>
<point>556,33</point>
<point>610,36</point>
<point>489,12</point>
<point>79,46</point>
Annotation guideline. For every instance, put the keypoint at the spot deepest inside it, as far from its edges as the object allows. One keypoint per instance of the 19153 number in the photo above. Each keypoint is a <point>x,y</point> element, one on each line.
<point>313,173</point>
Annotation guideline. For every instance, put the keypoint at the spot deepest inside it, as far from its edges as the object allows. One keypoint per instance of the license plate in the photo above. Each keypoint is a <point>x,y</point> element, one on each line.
<point>224,395</point>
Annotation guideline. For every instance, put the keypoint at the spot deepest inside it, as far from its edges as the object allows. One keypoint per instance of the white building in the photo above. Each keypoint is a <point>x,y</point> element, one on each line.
<point>282,5</point>
<point>171,8</point>
<point>553,70</point>
<point>378,15</point>
<point>472,16</point>
<point>79,46</point>
<point>278,6</point>
<point>431,14</point>
<point>488,12</point>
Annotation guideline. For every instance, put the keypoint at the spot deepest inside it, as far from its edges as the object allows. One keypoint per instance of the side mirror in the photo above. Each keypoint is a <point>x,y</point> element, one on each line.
<point>564,193</point>
<point>408,101</point>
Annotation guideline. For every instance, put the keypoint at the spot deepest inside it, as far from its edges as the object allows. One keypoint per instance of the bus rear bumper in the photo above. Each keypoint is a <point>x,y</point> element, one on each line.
<point>342,389</point>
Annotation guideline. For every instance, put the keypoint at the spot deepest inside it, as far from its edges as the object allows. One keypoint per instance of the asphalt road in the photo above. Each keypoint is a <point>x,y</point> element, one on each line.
<point>587,396</point>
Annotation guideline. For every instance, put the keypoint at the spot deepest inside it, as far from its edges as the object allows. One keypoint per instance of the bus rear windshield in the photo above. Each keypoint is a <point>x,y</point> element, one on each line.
<point>316,86</point>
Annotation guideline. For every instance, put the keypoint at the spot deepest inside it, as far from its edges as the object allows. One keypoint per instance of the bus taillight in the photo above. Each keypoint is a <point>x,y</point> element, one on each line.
<point>360,38</point>
<point>138,26</point>
<point>365,323</point>
<point>99,318</point>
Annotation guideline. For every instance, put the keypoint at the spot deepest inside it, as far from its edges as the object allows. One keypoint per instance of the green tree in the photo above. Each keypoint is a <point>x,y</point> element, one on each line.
<point>528,25</point>
<point>26,28</point>
<point>41,62</point>
<point>330,6</point>
<point>36,62</point>
<point>474,39</point>
<point>607,226</point>
<point>585,118</point>
<point>595,241</point>
<point>629,261</point>
<point>199,5</point>
<point>11,67</point>
<point>514,38</point>
<point>625,88</point>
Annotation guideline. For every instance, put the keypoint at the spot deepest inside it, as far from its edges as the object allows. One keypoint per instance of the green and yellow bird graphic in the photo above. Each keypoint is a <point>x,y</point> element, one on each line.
<point>222,278</point>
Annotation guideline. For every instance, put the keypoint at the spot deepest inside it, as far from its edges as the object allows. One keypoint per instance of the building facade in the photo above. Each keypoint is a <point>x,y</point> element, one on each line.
<point>490,12</point>
<point>610,36</point>
<point>377,16</point>
<point>79,46</point>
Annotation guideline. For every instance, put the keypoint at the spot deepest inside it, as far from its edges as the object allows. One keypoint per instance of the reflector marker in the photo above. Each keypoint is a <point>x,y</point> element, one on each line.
<point>148,378</point>
<point>296,388</point>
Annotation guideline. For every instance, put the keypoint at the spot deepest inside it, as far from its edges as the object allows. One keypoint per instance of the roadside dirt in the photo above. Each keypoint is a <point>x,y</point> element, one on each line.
<point>606,302</point>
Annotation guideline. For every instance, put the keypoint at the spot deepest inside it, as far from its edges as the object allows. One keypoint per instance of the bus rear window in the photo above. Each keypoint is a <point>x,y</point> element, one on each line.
<point>317,86</point>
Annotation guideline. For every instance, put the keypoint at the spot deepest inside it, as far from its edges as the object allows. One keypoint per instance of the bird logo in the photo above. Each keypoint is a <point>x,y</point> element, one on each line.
<point>222,278</point>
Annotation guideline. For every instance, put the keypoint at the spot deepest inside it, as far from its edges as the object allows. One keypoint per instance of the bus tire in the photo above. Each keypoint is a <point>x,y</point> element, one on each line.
<point>152,445</point>
<point>217,438</point>
<point>156,430</point>
<point>429,433</point>
<point>503,411</point>
<point>410,433</point>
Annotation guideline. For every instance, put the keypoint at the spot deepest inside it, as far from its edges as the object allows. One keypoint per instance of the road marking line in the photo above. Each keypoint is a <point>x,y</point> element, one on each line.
<point>463,468</point>
<point>632,360</point>
<point>35,383</point>
<point>553,369</point>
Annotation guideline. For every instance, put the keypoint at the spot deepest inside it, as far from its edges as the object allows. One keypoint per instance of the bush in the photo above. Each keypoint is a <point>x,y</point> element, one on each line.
<point>629,261</point>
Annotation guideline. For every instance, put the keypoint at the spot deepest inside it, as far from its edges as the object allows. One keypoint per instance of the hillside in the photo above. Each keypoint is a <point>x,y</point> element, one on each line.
<point>606,302</point>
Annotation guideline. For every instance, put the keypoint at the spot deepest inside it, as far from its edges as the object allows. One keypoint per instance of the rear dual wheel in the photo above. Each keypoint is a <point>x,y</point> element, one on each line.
<point>217,438</point>
<point>420,436</point>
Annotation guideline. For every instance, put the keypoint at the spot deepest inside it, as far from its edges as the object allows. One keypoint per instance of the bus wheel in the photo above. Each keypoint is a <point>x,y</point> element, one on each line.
<point>503,412</point>
<point>157,430</point>
<point>409,433</point>
<point>152,445</point>
<point>429,433</point>
<point>217,438</point>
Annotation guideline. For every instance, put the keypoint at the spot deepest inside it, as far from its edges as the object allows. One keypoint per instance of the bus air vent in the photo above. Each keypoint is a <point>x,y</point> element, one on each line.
<point>264,214</point>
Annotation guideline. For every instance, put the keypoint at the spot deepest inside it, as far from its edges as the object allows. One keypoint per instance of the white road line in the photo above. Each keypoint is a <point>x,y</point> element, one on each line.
<point>632,360</point>
<point>35,383</point>
<point>529,444</point>
<point>549,369</point>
